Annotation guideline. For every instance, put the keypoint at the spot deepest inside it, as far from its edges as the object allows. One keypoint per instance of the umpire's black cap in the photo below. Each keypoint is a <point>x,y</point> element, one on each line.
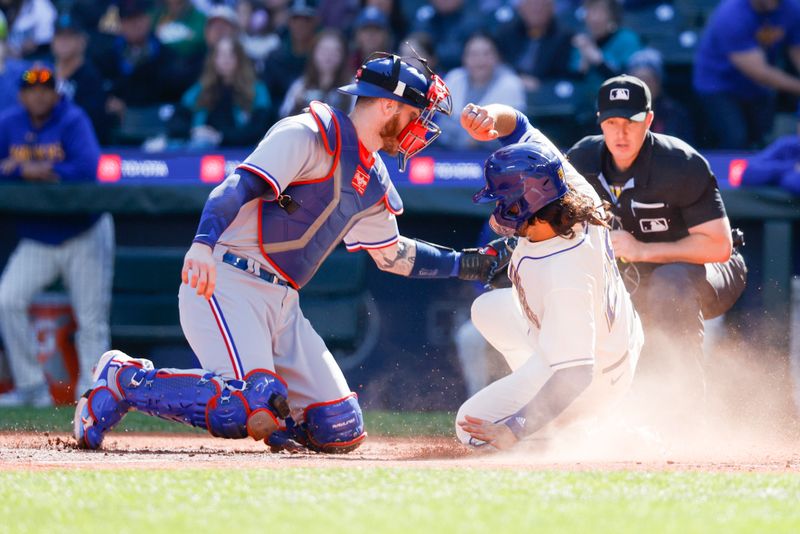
<point>623,96</point>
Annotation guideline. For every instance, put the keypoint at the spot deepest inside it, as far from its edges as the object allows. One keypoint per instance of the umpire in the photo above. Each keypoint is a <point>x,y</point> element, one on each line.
<point>672,237</point>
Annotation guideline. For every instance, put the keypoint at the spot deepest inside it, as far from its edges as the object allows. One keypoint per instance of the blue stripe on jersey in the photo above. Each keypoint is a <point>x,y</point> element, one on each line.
<point>576,245</point>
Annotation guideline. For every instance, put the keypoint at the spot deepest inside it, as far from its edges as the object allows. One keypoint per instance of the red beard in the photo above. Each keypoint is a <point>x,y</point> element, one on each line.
<point>389,134</point>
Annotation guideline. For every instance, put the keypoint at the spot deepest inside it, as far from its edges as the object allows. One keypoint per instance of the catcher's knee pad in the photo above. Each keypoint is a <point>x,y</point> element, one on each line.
<point>335,426</point>
<point>226,408</point>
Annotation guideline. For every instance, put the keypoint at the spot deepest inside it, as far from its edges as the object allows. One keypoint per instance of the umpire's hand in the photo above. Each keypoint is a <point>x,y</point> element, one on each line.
<point>199,269</point>
<point>626,247</point>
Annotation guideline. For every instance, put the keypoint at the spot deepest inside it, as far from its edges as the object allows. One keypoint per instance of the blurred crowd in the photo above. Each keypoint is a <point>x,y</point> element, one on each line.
<point>204,73</point>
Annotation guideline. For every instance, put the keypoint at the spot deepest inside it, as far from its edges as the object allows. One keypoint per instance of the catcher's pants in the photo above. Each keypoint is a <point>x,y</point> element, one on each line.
<point>499,320</point>
<point>249,324</point>
<point>85,265</point>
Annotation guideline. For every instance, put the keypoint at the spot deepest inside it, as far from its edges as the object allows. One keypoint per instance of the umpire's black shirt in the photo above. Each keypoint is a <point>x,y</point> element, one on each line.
<point>668,189</point>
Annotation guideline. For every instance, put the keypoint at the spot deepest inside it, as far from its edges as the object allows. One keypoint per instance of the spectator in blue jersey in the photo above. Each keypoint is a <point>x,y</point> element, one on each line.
<point>47,139</point>
<point>449,23</point>
<point>735,70</point>
<point>777,165</point>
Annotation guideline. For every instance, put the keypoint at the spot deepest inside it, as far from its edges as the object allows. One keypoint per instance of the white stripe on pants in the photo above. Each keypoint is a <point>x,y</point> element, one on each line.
<point>85,264</point>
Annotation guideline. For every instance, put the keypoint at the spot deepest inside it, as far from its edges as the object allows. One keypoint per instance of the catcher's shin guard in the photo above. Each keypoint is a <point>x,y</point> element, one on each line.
<point>226,408</point>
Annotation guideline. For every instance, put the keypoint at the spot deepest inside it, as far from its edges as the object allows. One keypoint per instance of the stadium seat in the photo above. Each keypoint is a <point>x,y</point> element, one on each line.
<point>676,48</point>
<point>653,22</point>
<point>560,108</point>
<point>554,98</point>
<point>695,12</point>
<point>139,124</point>
<point>144,304</point>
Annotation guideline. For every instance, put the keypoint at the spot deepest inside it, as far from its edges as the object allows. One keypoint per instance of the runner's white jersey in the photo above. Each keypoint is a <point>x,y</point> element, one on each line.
<point>292,151</point>
<point>574,300</point>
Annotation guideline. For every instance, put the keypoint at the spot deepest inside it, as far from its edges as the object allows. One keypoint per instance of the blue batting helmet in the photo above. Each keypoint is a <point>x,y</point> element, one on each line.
<point>522,179</point>
<point>388,76</point>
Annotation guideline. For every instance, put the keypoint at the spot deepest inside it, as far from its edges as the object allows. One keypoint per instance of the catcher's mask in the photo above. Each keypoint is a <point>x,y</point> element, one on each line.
<point>388,76</point>
<point>521,179</point>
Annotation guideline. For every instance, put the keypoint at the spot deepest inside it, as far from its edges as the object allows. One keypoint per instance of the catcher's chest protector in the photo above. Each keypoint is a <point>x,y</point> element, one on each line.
<point>297,232</point>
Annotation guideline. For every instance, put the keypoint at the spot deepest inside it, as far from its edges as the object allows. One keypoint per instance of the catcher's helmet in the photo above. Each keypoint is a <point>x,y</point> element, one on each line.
<point>388,76</point>
<point>522,179</point>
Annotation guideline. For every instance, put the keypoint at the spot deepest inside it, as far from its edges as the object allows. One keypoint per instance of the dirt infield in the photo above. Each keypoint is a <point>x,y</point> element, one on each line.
<point>33,452</point>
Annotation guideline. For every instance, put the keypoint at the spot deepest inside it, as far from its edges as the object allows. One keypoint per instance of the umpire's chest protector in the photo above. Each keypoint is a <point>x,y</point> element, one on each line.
<point>296,241</point>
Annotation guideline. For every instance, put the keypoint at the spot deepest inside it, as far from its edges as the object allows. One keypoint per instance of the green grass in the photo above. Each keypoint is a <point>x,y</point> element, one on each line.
<point>380,500</point>
<point>378,423</point>
<point>369,499</point>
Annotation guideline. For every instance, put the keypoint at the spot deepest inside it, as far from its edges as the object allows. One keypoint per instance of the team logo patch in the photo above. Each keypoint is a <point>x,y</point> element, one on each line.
<point>360,181</point>
<point>649,226</point>
<point>619,94</point>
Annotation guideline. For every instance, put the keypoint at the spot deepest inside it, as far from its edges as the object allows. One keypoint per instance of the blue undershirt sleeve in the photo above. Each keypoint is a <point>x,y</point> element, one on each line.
<point>522,127</point>
<point>224,202</point>
<point>433,261</point>
<point>556,395</point>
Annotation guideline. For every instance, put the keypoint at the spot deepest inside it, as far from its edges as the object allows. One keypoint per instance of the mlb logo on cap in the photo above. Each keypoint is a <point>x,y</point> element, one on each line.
<point>620,94</point>
<point>624,96</point>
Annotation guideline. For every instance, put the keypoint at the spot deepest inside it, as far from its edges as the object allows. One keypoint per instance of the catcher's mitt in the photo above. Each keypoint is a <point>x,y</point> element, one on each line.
<point>488,264</point>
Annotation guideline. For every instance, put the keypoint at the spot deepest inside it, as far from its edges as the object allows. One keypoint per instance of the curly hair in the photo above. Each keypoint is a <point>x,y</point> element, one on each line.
<point>571,209</point>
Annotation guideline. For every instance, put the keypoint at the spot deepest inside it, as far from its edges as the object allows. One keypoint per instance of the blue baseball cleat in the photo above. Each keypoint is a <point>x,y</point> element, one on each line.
<point>103,406</point>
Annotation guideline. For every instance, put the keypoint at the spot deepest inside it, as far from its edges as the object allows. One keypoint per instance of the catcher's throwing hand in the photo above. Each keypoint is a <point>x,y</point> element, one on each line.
<point>497,435</point>
<point>199,269</point>
<point>477,121</point>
